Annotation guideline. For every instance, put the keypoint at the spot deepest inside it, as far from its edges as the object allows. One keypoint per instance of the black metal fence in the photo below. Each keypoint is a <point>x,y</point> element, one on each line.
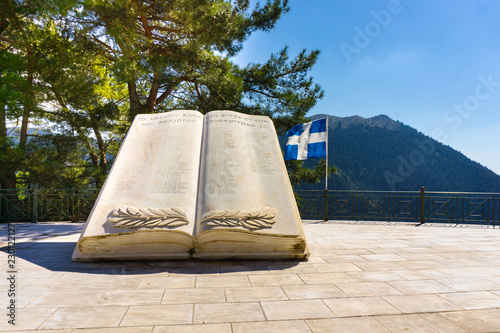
<point>406,206</point>
<point>33,205</point>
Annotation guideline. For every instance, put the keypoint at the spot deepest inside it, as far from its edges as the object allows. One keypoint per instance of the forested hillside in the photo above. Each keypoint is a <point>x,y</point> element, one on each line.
<point>379,153</point>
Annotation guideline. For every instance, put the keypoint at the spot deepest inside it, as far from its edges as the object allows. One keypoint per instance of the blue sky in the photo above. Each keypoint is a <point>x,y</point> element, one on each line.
<point>434,65</point>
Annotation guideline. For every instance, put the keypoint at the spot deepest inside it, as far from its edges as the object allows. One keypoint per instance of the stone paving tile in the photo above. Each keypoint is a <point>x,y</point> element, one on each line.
<point>110,282</point>
<point>66,299</point>
<point>131,297</point>
<point>224,312</point>
<point>351,325</point>
<point>383,257</point>
<point>334,259</point>
<point>360,306</point>
<point>312,291</point>
<point>461,272</point>
<point>322,278</point>
<point>494,279</point>
<point>289,326</point>
<point>70,275</point>
<point>470,284</point>
<point>222,281</point>
<point>46,331</point>
<point>319,251</point>
<point>421,274</point>
<point>416,287</point>
<point>167,282</point>
<point>372,276</point>
<point>288,269</point>
<point>243,270</point>
<point>337,267</point>
<point>421,264</point>
<point>422,256</point>
<point>477,321</point>
<point>380,266</point>
<point>22,298</point>
<point>423,249</point>
<point>200,328</point>
<point>218,263</point>
<point>313,259</point>
<point>194,271</point>
<point>137,329</point>
<point>461,262</point>
<point>473,300</point>
<point>85,317</point>
<point>255,294</point>
<point>359,246</point>
<point>41,285</point>
<point>272,262</point>
<point>303,309</point>
<point>26,319</point>
<point>141,315</point>
<point>193,295</point>
<point>420,303</point>
<point>365,289</point>
<point>425,322</point>
<point>351,252</point>
<point>454,249</point>
<point>26,274</point>
<point>388,251</point>
<point>463,255</point>
<point>491,269</point>
<point>274,280</point>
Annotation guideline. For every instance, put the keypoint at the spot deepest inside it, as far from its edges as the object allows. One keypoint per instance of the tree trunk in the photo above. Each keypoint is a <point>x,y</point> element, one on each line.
<point>3,122</point>
<point>7,174</point>
<point>28,101</point>
<point>136,107</point>
<point>103,162</point>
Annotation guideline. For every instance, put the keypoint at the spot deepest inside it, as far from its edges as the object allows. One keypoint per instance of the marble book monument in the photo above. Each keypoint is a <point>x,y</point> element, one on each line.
<point>184,185</point>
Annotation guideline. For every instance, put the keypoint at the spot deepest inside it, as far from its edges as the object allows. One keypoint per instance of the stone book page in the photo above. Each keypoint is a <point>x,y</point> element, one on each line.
<point>244,185</point>
<point>152,186</point>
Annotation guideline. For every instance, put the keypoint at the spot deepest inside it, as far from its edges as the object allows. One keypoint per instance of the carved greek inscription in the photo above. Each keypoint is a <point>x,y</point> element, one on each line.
<point>172,172</point>
<point>222,178</point>
<point>259,152</point>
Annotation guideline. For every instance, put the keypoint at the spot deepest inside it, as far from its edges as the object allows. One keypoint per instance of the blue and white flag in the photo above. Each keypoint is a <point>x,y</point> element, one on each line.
<point>306,141</point>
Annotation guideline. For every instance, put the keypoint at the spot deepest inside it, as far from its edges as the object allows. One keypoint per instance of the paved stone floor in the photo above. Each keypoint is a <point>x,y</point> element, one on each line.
<point>360,278</point>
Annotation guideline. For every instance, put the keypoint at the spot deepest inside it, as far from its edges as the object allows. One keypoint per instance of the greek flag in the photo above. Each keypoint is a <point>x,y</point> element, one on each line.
<point>307,141</point>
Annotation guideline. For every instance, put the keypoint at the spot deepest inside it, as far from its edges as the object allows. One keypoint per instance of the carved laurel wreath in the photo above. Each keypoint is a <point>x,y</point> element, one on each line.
<point>131,217</point>
<point>236,218</point>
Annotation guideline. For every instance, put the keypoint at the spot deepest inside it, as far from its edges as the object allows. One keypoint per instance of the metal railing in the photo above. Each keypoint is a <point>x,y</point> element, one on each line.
<point>46,204</point>
<point>406,206</point>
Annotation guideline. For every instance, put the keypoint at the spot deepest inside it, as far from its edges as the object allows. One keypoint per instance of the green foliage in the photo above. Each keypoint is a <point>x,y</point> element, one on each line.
<point>281,89</point>
<point>79,71</point>
<point>48,163</point>
<point>10,80</point>
<point>174,55</point>
<point>10,156</point>
<point>298,173</point>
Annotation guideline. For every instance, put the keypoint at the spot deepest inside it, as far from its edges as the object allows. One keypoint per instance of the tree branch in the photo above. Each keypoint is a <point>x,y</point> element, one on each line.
<point>165,94</point>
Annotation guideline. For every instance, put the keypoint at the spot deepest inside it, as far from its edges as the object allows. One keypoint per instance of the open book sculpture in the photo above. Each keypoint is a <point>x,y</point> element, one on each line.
<point>186,185</point>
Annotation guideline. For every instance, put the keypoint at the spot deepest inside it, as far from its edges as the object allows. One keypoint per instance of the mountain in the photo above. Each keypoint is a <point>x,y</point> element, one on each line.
<point>381,154</point>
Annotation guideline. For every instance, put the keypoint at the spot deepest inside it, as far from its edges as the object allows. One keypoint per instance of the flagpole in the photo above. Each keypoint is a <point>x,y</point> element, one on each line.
<point>326,168</point>
<point>326,173</point>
